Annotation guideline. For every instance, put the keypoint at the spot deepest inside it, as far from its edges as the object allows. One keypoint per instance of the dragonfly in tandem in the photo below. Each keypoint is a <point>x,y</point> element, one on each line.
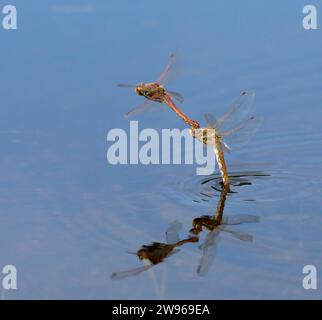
<point>154,91</point>
<point>156,252</point>
<point>230,131</point>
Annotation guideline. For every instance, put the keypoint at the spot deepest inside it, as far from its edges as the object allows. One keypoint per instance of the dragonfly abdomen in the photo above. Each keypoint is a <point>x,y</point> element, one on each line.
<point>221,162</point>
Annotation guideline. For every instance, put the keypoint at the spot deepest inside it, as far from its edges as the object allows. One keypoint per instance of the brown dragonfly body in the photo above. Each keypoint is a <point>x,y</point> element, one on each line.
<point>154,91</point>
<point>210,136</point>
<point>156,252</point>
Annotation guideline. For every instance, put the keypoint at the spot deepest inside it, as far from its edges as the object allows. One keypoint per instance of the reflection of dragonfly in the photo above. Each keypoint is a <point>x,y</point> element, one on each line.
<point>154,91</point>
<point>232,129</point>
<point>156,252</point>
<point>215,224</point>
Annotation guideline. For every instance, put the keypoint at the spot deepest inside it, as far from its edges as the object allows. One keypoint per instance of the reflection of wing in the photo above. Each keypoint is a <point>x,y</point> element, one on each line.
<point>165,74</point>
<point>176,95</point>
<point>143,106</point>
<point>237,234</point>
<point>239,219</point>
<point>237,112</point>
<point>209,252</point>
<point>130,273</point>
<point>239,135</point>
<point>172,232</point>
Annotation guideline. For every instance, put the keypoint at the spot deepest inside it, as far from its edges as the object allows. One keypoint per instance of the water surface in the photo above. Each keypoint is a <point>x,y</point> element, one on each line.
<point>67,217</point>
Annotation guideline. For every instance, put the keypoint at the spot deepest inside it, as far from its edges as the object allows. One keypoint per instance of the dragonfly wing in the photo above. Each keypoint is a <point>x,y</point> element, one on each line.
<point>237,234</point>
<point>225,147</point>
<point>211,121</point>
<point>239,219</point>
<point>172,232</point>
<point>209,252</point>
<point>176,96</point>
<point>168,69</point>
<point>241,134</point>
<point>237,111</point>
<point>130,273</point>
<point>140,108</point>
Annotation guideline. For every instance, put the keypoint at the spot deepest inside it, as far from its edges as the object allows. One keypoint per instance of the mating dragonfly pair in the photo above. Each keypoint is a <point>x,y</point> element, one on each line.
<point>230,131</point>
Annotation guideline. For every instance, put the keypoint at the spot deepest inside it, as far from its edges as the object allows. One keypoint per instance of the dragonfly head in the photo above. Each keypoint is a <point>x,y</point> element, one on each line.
<point>139,89</point>
<point>142,254</point>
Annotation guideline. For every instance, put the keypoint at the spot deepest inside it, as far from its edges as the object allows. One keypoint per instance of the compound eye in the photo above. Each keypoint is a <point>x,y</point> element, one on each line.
<point>138,91</point>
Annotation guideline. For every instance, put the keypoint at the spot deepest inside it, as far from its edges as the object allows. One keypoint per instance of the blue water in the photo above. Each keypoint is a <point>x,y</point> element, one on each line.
<point>67,216</point>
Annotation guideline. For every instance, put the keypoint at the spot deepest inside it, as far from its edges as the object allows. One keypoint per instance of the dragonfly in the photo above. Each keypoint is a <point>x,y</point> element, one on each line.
<point>230,131</point>
<point>156,252</point>
<point>155,91</point>
<point>215,225</point>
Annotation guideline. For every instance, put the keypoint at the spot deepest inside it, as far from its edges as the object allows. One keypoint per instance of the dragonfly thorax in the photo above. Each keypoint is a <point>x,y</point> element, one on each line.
<point>152,91</point>
<point>155,252</point>
<point>204,134</point>
<point>208,222</point>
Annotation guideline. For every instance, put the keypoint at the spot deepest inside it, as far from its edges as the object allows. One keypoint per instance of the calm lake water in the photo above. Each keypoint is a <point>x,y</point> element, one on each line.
<point>67,217</point>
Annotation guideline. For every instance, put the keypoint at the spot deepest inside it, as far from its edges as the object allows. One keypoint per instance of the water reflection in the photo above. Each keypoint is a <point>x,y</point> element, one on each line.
<point>157,252</point>
<point>215,224</point>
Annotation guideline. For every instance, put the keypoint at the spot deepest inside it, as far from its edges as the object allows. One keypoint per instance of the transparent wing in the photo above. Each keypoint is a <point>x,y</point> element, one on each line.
<point>123,85</point>
<point>211,121</point>
<point>239,219</point>
<point>140,108</point>
<point>172,232</point>
<point>237,111</point>
<point>176,96</point>
<point>130,273</point>
<point>241,134</point>
<point>168,69</point>
<point>209,252</point>
<point>237,234</point>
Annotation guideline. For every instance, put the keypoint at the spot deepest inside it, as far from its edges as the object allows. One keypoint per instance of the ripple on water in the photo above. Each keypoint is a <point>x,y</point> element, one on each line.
<point>298,174</point>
